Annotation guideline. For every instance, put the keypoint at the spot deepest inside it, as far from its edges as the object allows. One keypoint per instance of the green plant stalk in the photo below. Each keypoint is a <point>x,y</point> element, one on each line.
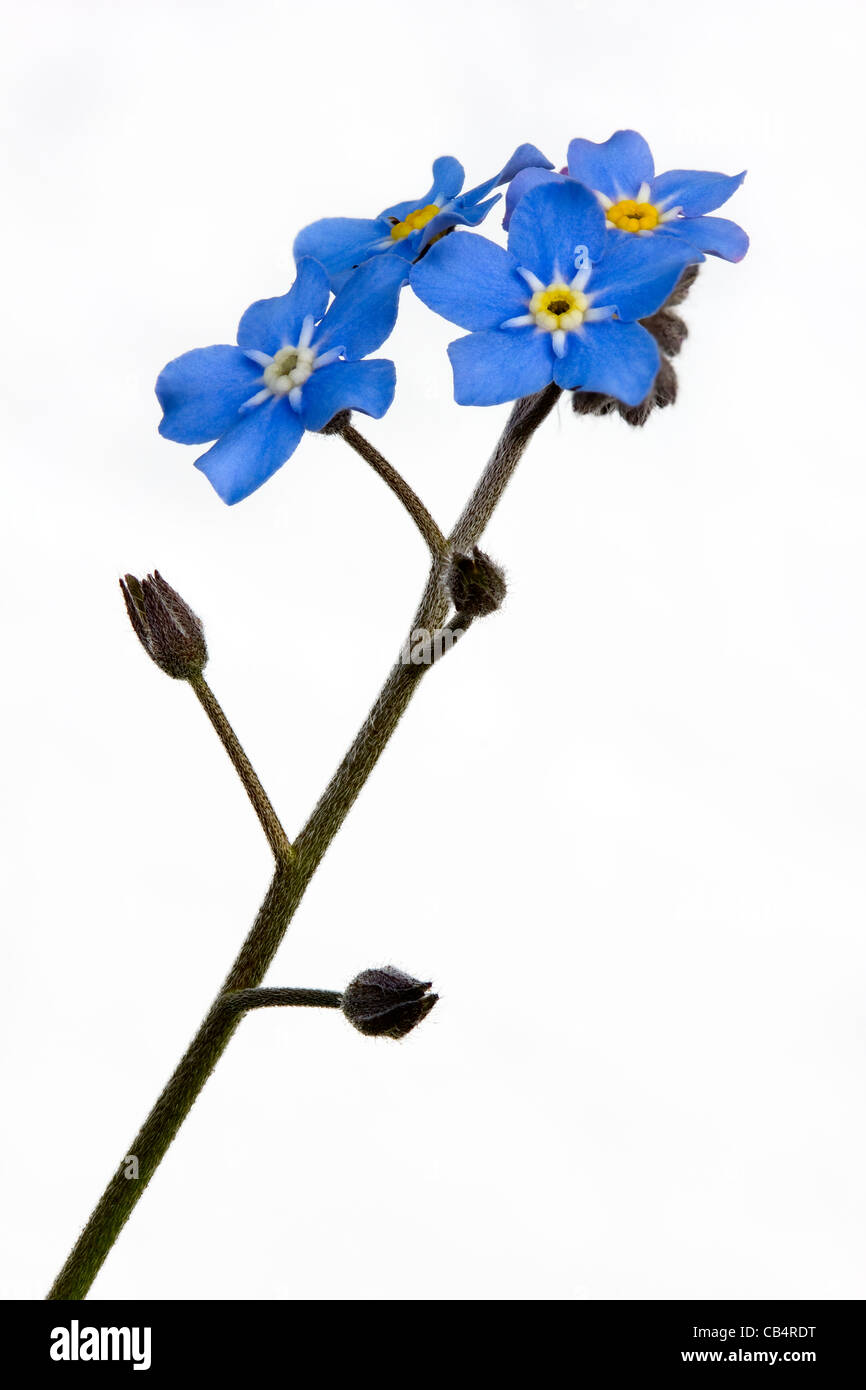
<point>295,867</point>
<point>436,542</point>
<point>242,1000</point>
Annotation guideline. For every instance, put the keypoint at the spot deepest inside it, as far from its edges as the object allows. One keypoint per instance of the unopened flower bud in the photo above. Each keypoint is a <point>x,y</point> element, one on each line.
<point>592,403</point>
<point>476,585</point>
<point>664,392</point>
<point>386,1002</point>
<point>670,332</point>
<point>165,625</point>
<point>682,287</point>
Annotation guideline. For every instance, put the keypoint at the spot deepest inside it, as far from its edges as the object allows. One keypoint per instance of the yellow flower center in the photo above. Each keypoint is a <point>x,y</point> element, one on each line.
<point>415,221</point>
<point>630,216</point>
<point>558,307</point>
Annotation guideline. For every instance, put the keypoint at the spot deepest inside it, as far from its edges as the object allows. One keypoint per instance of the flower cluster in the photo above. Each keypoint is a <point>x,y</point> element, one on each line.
<point>594,254</point>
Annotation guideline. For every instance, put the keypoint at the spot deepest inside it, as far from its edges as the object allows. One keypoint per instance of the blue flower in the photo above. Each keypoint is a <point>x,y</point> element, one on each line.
<point>295,367</point>
<point>559,305</point>
<point>403,231</point>
<point>636,200</point>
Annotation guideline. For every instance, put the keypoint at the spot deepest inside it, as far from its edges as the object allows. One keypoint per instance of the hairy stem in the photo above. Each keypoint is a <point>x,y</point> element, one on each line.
<point>292,874</point>
<point>436,542</point>
<point>240,1000</point>
<point>277,838</point>
<point>524,420</point>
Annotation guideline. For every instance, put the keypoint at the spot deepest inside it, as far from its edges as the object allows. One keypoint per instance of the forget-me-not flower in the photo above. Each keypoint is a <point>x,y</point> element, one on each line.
<point>403,231</point>
<point>560,304</point>
<point>294,368</point>
<point>654,208</point>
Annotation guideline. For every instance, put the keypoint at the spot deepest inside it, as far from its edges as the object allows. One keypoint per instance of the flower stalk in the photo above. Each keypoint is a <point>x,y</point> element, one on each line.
<point>294,867</point>
<point>436,542</point>
<point>281,847</point>
<point>240,1001</point>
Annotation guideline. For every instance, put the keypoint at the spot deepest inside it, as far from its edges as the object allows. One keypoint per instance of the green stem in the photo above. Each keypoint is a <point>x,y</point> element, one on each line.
<point>291,878</point>
<point>436,542</point>
<point>281,847</point>
<point>524,420</point>
<point>241,1000</point>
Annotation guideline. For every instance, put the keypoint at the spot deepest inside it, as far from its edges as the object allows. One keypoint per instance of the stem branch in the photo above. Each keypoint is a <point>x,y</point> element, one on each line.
<point>295,865</point>
<point>436,542</point>
<point>523,421</point>
<point>241,1000</point>
<point>281,847</point>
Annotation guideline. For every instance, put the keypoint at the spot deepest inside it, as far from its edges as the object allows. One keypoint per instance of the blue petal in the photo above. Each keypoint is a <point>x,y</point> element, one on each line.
<point>617,166</point>
<point>365,310</point>
<point>524,157</point>
<point>521,184</point>
<point>694,190</point>
<point>456,214</point>
<point>448,176</point>
<point>549,224</point>
<point>617,359</point>
<point>398,212</point>
<point>404,250</point>
<point>470,215</point>
<point>637,273</point>
<point>202,392</point>
<point>714,234</point>
<point>340,243</point>
<point>471,281</point>
<point>490,368</point>
<point>271,324</point>
<point>366,386</point>
<point>254,449</point>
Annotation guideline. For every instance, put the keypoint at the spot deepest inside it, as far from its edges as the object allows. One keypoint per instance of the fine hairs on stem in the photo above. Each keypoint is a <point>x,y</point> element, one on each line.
<point>167,629</point>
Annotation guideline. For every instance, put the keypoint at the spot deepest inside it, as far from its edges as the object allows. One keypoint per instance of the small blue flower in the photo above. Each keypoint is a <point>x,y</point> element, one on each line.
<point>560,304</point>
<point>637,201</point>
<point>295,367</point>
<point>404,230</point>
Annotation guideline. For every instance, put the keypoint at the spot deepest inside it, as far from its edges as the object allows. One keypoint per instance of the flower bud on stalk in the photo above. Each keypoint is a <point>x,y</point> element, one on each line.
<point>670,332</point>
<point>476,584</point>
<point>386,1002</point>
<point>165,625</point>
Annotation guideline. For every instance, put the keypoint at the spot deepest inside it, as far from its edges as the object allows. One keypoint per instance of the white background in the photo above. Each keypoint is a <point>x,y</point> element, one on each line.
<point>621,827</point>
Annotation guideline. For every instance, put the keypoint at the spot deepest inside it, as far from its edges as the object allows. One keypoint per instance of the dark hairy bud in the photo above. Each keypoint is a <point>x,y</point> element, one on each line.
<point>476,584</point>
<point>670,332</point>
<point>592,403</point>
<point>386,1002</point>
<point>664,393</point>
<point>682,287</point>
<point>165,625</point>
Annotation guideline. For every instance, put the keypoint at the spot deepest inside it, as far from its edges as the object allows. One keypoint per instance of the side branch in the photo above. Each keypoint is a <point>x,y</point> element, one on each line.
<point>436,542</point>
<point>241,1000</point>
<point>281,847</point>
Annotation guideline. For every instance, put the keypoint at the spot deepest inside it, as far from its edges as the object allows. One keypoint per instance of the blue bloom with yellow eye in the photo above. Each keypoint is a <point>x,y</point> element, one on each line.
<point>403,231</point>
<point>294,368</point>
<point>560,304</point>
<point>654,208</point>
